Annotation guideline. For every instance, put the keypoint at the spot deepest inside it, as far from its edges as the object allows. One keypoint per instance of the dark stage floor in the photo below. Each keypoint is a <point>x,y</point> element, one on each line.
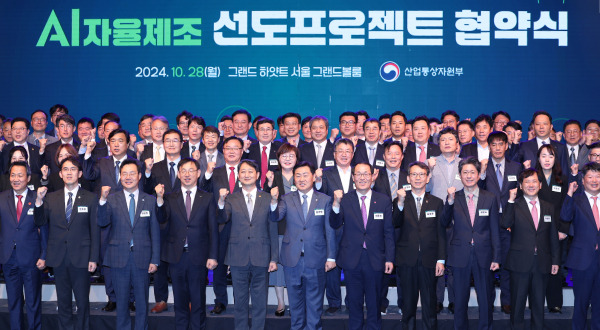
<point>102,320</point>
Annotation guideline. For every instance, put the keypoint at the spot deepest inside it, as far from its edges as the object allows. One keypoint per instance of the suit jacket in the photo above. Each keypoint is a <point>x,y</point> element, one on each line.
<point>254,239</point>
<point>52,149</point>
<point>145,231</point>
<point>469,150</point>
<point>378,236</point>
<point>525,238</point>
<point>51,139</point>
<point>218,180</point>
<point>30,240</point>
<point>55,183</point>
<point>332,181</point>
<point>161,174</point>
<point>586,237</point>
<point>201,230</point>
<point>220,161</point>
<point>555,194</point>
<point>278,182</point>
<point>101,152</point>
<point>300,141</point>
<point>510,178</point>
<point>147,153</point>
<point>361,155</point>
<point>410,153</point>
<point>425,232</point>
<point>307,153</point>
<point>441,180</point>
<point>103,172</point>
<point>582,156</point>
<point>35,159</point>
<point>77,241</point>
<point>315,233</point>
<point>528,151</point>
<point>185,150</point>
<point>382,183</point>
<point>484,232</point>
<point>255,153</point>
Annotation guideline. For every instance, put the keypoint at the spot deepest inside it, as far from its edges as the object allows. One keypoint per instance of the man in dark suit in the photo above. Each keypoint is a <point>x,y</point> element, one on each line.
<point>534,249</point>
<point>264,153</point>
<point>23,249</point>
<point>191,247</point>
<point>210,140</point>
<point>291,126</point>
<point>214,180</point>
<point>474,249</point>
<point>196,127</point>
<point>398,125</point>
<point>577,153</point>
<point>480,148</point>
<point>20,131</point>
<point>308,245</point>
<point>327,181</point>
<point>421,149</point>
<point>367,248</point>
<point>542,125</point>
<point>165,173</point>
<point>499,176</point>
<point>581,209</point>
<point>319,152</point>
<point>134,249</point>
<point>242,122</point>
<point>421,250</point>
<point>106,172</point>
<point>371,151</point>
<point>71,216</point>
<point>250,260</point>
<point>66,127</point>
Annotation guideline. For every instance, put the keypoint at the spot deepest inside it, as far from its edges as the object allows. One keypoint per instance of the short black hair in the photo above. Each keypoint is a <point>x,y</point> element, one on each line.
<point>198,120</point>
<point>421,118</point>
<point>234,138</point>
<point>420,165</point>
<point>74,160</point>
<point>39,110</point>
<point>398,113</point>
<point>111,116</point>
<point>393,143</point>
<point>119,131</point>
<point>58,107</point>
<point>67,119</point>
<point>22,120</point>
<point>385,116</point>
<point>303,164</point>
<point>256,119</point>
<point>434,120</point>
<point>362,113</point>
<point>185,114</point>
<point>24,164</point>
<point>291,115</point>
<point>592,121</point>
<point>86,120</point>
<point>173,131</point>
<point>129,161</point>
<point>265,120</point>
<point>250,163</point>
<point>225,118</point>
<point>186,160</point>
<point>540,113</point>
<point>449,130</point>
<point>111,121</point>
<point>571,122</point>
<point>348,114</point>
<point>371,120</point>
<point>484,117</point>
<point>514,125</point>
<point>469,161</point>
<point>305,120</point>
<point>466,122</point>
<point>500,113</point>
<point>210,129</point>
<point>371,169</point>
<point>527,173</point>
<point>144,117</point>
<point>21,149</point>
<point>450,113</point>
<point>343,141</point>
<point>242,112</point>
<point>592,166</point>
<point>497,135</point>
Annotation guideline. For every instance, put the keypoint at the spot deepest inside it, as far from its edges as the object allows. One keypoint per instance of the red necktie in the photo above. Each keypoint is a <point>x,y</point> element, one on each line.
<point>19,207</point>
<point>231,179</point>
<point>422,156</point>
<point>595,211</point>
<point>263,167</point>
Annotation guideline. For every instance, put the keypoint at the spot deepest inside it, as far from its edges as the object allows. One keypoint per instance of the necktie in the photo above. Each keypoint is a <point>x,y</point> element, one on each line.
<point>305,206</point>
<point>19,207</point>
<point>157,156</point>
<point>572,157</point>
<point>231,179</point>
<point>393,186</point>
<point>534,214</point>
<point>499,176</point>
<point>188,204</point>
<point>193,149</point>
<point>471,206</point>
<point>418,207</point>
<point>319,155</point>
<point>250,206</point>
<point>36,142</point>
<point>371,155</point>
<point>131,213</point>
<point>263,167</point>
<point>117,170</point>
<point>363,211</point>
<point>69,209</point>
<point>172,174</point>
<point>422,156</point>
<point>210,157</point>
<point>543,143</point>
<point>595,211</point>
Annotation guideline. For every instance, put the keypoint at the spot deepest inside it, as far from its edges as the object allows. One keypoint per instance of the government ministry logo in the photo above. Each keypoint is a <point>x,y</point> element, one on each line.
<point>389,71</point>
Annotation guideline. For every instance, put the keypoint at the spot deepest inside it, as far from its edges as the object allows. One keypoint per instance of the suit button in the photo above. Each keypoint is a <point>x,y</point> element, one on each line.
<point>301,240</point>
<point>304,228</point>
<point>248,237</point>
<point>250,225</point>
<point>65,242</point>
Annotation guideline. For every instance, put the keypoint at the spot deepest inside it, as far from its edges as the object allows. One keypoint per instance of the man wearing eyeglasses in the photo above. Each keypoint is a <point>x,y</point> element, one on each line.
<point>39,122</point>
<point>65,126</point>
<point>20,131</point>
<point>215,179</point>
<point>264,153</point>
<point>155,150</point>
<point>421,249</point>
<point>593,157</point>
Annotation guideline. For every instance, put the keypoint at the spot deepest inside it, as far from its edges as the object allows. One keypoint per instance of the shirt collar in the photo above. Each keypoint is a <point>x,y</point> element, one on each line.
<point>136,194</point>
<point>539,141</point>
<point>74,191</point>
<point>309,194</point>
<point>536,199</point>
<point>193,190</point>
<point>368,194</point>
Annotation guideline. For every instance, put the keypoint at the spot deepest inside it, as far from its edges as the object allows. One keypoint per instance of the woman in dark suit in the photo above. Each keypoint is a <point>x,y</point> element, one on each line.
<point>554,189</point>
<point>283,179</point>
<point>19,154</point>
<point>55,182</point>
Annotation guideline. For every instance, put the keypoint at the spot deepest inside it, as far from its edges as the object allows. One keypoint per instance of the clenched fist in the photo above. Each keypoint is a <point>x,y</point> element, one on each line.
<point>274,194</point>
<point>104,193</point>
<point>223,192</point>
<point>210,167</point>
<point>513,195</point>
<point>160,190</point>
<point>451,193</point>
<point>149,163</point>
<point>41,193</point>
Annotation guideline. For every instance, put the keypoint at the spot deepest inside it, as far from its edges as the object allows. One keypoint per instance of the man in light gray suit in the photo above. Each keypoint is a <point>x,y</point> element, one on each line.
<point>308,249</point>
<point>210,139</point>
<point>251,259</point>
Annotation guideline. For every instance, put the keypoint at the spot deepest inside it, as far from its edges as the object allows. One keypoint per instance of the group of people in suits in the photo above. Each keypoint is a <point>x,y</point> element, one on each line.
<point>395,197</point>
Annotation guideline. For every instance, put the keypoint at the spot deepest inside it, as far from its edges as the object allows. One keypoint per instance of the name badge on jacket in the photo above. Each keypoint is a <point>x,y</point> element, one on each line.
<point>30,211</point>
<point>293,188</point>
<point>512,178</point>
<point>319,212</point>
<point>457,177</point>
<point>547,218</point>
<point>429,214</point>
<point>380,163</point>
<point>145,213</point>
<point>484,213</point>
<point>407,187</point>
<point>82,209</point>
<point>273,162</point>
<point>378,215</point>
<point>329,163</point>
<point>556,188</point>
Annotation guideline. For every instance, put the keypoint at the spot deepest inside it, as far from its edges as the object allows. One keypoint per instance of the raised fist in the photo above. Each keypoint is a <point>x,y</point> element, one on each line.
<point>451,192</point>
<point>270,177</point>
<point>513,195</point>
<point>527,164</point>
<point>334,133</point>
<point>319,174</point>
<point>401,195</point>
<point>484,164</point>
<point>139,149</point>
<point>274,194</point>
<point>41,193</point>
<point>210,167</point>
<point>337,196</point>
<point>431,162</point>
<point>196,155</point>
<point>247,144</point>
<point>44,170</point>
<point>149,164</point>
<point>572,187</point>
<point>104,193</point>
<point>223,192</point>
<point>160,190</point>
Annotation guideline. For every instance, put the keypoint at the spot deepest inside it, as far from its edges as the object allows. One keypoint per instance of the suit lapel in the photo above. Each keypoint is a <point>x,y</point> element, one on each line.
<point>386,182</point>
<point>313,205</point>
<point>124,204</point>
<point>241,201</point>
<point>298,202</point>
<point>181,204</point>
<point>12,207</point>
<point>338,179</point>
<point>138,209</point>
<point>462,200</point>
<point>523,207</point>
<point>584,204</point>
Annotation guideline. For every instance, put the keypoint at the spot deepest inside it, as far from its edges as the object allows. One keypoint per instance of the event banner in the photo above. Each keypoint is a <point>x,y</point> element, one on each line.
<point>311,57</point>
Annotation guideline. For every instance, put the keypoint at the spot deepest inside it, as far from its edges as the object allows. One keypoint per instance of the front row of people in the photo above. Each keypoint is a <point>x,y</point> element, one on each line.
<point>61,230</point>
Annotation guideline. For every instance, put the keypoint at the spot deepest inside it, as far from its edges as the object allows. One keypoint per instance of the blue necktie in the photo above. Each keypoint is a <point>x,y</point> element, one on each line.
<point>69,209</point>
<point>499,175</point>
<point>131,212</point>
<point>305,206</point>
<point>172,174</point>
<point>117,170</point>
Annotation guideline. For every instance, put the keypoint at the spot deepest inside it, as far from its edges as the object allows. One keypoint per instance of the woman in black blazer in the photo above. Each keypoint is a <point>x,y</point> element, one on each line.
<point>19,154</point>
<point>554,189</point>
